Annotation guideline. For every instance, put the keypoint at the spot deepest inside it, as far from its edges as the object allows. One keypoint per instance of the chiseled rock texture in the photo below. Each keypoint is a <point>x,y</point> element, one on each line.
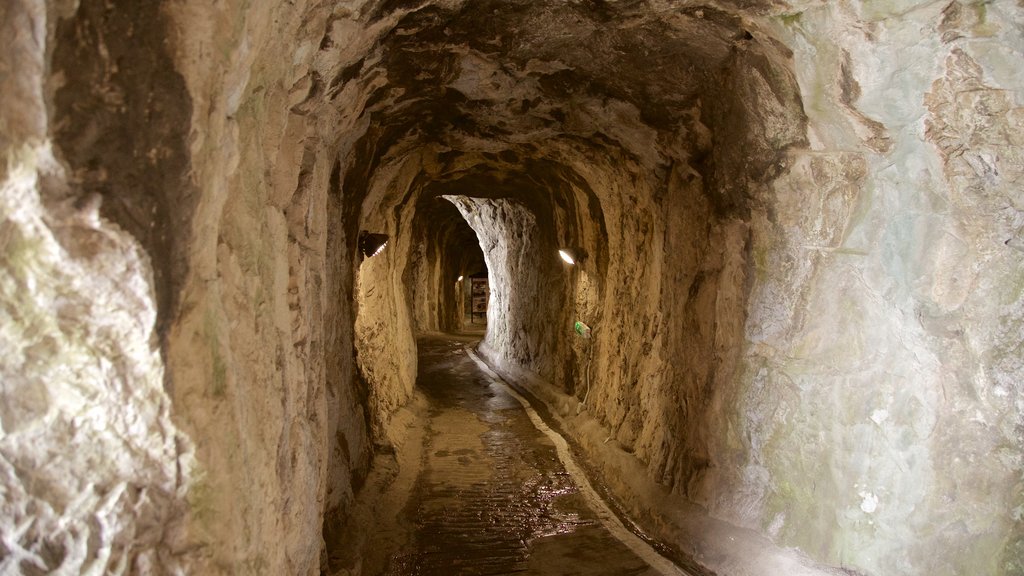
<point>94,472</point>
<point>800,225</point>
<point>179,384</point>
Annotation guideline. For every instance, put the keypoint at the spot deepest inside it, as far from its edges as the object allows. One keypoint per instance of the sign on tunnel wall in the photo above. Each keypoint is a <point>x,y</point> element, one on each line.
<point>480,293</point>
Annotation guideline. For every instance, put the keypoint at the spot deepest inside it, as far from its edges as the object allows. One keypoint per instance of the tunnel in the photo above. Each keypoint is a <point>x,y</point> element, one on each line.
<point>753,267</point>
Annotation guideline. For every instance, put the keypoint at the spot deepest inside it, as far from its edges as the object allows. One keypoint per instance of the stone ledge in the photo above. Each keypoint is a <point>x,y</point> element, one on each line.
<point>379,503</point>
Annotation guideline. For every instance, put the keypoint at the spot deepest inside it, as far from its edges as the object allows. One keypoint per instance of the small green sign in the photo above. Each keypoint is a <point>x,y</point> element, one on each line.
<point>582,329</point>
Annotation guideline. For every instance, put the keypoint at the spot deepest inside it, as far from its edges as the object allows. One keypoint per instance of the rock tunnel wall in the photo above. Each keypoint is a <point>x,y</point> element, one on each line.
<point>523,311</point>
<point>261,350</point>
<point>865,287</point>
<point>174,201</point>
<point>93,469</point>
<point>802,223</point>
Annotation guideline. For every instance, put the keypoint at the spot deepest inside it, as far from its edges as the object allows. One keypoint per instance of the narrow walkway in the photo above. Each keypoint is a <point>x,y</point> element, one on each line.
<point>492,496</point>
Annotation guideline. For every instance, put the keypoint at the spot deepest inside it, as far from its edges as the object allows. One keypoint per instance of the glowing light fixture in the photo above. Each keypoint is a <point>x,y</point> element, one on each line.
<point>372,244</point>
<point>567,256</point>
<point>460,279</point>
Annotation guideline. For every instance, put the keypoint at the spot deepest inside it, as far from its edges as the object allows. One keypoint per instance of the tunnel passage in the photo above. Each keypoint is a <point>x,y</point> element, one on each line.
<point>642,147</point>
<point>672,148</point>
<point>446,255</point>
<point>801,225</point>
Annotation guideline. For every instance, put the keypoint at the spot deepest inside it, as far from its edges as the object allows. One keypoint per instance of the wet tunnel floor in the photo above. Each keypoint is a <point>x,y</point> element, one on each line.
<point>492,496</point>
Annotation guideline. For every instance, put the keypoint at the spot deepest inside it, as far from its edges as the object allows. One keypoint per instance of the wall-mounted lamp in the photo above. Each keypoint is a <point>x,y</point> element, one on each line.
<point>572,255</point>
<point>372,244</point>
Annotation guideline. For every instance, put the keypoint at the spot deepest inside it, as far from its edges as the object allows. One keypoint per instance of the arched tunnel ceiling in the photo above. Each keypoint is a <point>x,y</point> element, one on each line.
<point>503,63</point>
<point>506,93</point>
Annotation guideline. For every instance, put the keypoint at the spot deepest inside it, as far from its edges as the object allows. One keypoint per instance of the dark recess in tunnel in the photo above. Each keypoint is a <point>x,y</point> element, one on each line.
<point>139,177</point>
<point>441,236</point>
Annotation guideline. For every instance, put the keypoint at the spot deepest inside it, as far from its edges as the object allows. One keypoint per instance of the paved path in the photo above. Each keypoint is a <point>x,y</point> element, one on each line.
<point>493,496</point>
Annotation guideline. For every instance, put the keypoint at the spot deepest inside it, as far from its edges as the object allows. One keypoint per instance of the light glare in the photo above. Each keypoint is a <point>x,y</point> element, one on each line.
<point>565,256</point>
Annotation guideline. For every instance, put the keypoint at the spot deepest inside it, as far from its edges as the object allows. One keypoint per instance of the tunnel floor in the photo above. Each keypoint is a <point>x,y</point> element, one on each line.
<point>492,496</point>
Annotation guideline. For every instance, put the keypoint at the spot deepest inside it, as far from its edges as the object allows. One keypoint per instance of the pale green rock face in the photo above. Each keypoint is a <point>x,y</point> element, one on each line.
<point>900,382</point>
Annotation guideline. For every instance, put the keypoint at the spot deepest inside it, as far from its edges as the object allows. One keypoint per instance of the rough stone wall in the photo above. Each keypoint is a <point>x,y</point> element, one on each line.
<point>260,320</point>
<point>385,342</point>
<point>384,338</point>
<point>516,308</point>
<point>420,278</point>
<point>162,172</point>
<point>879,406</point>
<point>92,468</point>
